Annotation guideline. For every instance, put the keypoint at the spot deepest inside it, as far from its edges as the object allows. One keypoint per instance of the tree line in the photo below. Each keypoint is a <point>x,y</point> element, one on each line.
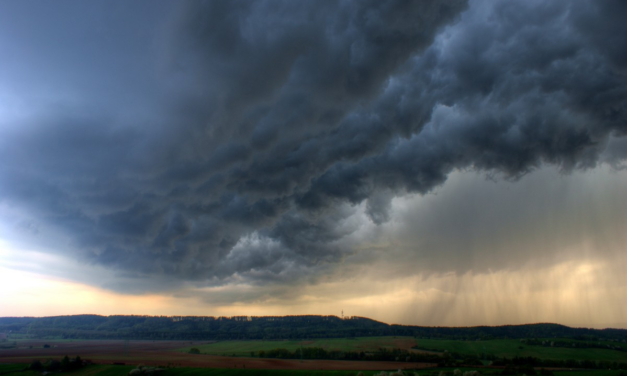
<point>453,360</point>
<point>550,363</point>
<point>382,354</point>
<point>572,345</point>
<point>273,327</point>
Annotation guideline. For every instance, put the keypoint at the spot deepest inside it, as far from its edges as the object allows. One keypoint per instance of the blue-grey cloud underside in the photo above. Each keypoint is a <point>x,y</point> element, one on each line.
<point>223,139</point>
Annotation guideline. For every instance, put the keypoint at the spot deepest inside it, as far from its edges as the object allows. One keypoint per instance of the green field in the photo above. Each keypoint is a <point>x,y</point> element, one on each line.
<point>93,370</point>
<point>257,372</point>
<point>511,347</point>
<point>11,368</point>
<point>496,372</point>
<point>111,370</point>
<point>501,348</point>
<point>244,348</point>
<point>448,371</point>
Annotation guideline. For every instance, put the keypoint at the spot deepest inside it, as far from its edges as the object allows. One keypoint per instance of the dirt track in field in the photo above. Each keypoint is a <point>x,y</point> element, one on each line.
<point>164,353</point>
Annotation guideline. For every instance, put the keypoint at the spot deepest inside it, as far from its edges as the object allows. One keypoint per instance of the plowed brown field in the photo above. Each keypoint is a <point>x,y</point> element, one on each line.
<point>155,353</point>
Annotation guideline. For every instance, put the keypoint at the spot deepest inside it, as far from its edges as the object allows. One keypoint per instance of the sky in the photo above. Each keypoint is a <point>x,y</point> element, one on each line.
<point>448,163</point>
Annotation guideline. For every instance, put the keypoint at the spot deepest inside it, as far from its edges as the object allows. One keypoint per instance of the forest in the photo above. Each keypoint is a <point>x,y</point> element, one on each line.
<point>273,327</point>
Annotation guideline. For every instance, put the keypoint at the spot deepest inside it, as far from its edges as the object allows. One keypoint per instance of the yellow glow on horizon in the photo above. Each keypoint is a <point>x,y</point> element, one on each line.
<point>570,293</point>
<point>31,294</point>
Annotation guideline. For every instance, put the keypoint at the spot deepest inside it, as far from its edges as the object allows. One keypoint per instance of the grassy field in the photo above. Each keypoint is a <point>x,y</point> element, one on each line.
<point>511,348</point>
<point>258,372</point>
<point>111,370</point>
<point>93,370</point>
<point>11,368</point>
<point>502,348</point>
<point>496,372</point>
<point>244,348</point>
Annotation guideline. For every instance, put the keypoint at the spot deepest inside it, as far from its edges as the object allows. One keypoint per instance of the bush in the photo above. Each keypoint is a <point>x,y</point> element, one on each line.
<point>36,365</point>
<point>527,370</point>
<point>472,362</point>
<point>144,371</point>
<point>53,365</point>
<point>194,350</point>
<point>65,363</point>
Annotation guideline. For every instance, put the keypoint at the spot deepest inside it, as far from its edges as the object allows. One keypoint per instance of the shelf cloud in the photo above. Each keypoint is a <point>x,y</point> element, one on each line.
<point>265,143</point>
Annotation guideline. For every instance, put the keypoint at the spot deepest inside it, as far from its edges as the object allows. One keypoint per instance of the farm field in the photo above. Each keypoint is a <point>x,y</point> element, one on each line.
<point>113,370</point>
<point>502,348</point>
<point>167,353</point>
<point>511,347</point>
<point>236,355</point>
<point>244,348</point>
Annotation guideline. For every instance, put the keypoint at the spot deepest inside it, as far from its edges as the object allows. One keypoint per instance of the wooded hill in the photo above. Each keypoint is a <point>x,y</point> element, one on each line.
<point>272,327</point>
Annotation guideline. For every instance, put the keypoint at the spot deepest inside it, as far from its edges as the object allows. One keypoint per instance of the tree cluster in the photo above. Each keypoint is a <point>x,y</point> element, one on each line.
<point>65,364</point>
<point>572,344</point>
<point>551,363</point>
<point>274,327</point>
<point>321,353</point>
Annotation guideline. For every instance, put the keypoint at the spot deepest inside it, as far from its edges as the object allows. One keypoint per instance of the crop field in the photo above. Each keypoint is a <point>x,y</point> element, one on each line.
<point>113,370</point>
<point>510,348</point>
<point>501,348</point>
<point>245,348</point>
<point>242,356</point>
<point>168,354</point>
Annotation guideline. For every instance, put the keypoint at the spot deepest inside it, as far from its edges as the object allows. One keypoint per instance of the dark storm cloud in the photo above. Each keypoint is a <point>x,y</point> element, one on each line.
<point>276,118</point>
